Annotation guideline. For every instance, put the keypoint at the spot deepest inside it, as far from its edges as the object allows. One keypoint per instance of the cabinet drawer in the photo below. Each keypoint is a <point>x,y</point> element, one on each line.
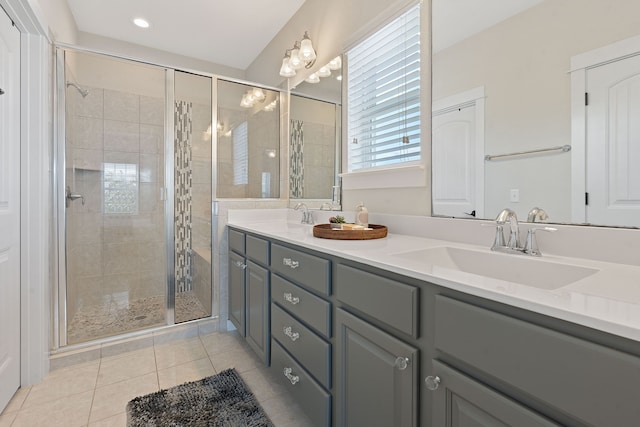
<point>236,241</point>
<point>258,250</point>
<point>307,270</point>
<point>309,349</point>
<point>306,306</point>
<point>389,301</point>
<point>314,400</point>
<point>590,382</point>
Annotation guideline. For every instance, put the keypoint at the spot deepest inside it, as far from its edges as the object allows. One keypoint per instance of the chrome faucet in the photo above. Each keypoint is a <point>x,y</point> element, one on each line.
<point>537,214</point>
<point>307,216</point>
<point>513,246</point>
<point>514,234</point>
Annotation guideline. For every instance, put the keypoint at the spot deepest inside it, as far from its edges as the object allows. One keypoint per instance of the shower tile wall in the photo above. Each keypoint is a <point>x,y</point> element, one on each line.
<point>201,208</point>
<point>263,180</point>
<point>312,158</point>
<point>319,160</point>
<point>296,159</point>
<point>114,258</point>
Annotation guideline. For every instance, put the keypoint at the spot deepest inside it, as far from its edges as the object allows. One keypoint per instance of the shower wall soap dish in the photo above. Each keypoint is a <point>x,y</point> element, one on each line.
<point>325,231</point>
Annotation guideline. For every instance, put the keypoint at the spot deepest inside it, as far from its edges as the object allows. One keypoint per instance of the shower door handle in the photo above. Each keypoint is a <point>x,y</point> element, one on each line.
<point>70,197</point>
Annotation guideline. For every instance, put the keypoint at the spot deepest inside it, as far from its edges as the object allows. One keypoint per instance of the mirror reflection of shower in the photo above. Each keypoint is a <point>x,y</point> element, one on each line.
<point>83,92</point>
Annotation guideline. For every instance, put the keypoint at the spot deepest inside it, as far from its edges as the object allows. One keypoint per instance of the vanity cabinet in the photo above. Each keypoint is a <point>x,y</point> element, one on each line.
<point>376,371</point>
<point>575,381</point>
<point>359,345</point>
<point>301,328</point>
<point>249,292</point>
<point>237,266</point>
<point>459,401</point>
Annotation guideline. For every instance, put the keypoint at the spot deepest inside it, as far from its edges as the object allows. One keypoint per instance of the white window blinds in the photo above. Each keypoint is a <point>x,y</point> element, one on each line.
<point>383,93</point>
<point>241,154</point>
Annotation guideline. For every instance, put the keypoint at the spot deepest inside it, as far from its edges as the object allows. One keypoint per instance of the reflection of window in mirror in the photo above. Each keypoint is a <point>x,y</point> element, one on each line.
<point>248,132</point>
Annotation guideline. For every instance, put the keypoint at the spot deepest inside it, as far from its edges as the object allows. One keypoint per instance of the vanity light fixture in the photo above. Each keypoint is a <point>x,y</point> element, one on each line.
<point>141,22</point>
<point>324,71</point>
<point>313,78</point>
<point>287,70</point>
<point>252,97</point>
<point>302,55</point>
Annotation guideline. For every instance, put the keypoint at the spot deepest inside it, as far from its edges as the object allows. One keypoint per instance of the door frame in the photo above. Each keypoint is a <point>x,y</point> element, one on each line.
<point>473,97</point>
<point>580,65</point>
<point>35,189</point>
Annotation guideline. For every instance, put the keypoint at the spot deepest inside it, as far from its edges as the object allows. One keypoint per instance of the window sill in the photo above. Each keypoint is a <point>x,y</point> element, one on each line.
<point>397,177</point>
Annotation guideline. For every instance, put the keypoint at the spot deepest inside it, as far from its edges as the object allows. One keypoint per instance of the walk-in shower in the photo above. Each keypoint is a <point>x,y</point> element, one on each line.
<point>134,191</point>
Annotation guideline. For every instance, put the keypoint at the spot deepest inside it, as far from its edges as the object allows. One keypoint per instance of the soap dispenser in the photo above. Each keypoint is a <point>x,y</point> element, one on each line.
<point>362,215</point>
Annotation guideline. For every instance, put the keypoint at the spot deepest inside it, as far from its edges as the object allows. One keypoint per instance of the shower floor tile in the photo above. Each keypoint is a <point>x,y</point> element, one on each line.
<point>119,316</point>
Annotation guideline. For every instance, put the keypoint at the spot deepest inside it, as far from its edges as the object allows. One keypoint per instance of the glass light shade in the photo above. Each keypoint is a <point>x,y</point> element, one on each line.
<point>258,94</point>
<point>313,78</point>
<point>335,63</point>
<point>324,72</point>
<point>294,61</point>
<point>286,70</point>
<point>307,53</point>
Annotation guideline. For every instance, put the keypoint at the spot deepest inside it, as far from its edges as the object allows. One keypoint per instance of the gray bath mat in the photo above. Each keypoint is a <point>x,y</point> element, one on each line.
<point>222,400</point>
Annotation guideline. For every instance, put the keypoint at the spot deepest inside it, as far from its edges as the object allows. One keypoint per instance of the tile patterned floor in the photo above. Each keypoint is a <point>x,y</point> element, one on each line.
<point>95,394</point>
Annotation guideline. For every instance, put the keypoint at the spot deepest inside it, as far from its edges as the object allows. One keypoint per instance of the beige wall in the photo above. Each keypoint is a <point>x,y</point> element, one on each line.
<point>523,64</point>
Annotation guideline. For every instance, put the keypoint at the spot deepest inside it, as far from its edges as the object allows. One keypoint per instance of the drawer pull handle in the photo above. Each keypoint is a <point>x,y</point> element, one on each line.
<point>293,378</point>
<point>288,332</point>
<point>290,263</point>
<point>290,298</point>
<point>240,264</point>
<point>402,363</point>
<point>432,382</point>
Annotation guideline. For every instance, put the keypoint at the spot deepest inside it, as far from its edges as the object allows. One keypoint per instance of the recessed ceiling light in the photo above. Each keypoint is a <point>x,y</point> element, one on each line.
<point>141,22</point>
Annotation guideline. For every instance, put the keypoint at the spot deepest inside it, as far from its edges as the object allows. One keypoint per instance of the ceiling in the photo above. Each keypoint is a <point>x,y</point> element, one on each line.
<point>225,32</point>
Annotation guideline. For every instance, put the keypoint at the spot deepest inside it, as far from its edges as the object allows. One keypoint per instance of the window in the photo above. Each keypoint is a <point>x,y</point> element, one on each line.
<point>120,188</point>
<point>384,95</point>
<point>241,154</point>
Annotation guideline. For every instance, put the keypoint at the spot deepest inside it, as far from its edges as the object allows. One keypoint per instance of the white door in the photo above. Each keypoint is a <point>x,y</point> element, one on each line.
<point>9,209</point>
<point>613,143</point>
<point>453,162</point>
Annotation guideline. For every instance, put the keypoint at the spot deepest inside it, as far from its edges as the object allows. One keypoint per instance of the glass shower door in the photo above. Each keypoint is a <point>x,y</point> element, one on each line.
<point>114,212</point>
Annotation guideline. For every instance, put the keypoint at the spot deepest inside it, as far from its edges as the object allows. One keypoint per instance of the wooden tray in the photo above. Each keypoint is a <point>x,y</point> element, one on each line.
<point>324,231</point>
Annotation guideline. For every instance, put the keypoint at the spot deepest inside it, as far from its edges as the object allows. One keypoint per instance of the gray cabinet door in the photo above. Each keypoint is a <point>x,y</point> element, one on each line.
<point>257,310</point>
<point>377,376</point>
<point>237,265</point>
<point>460,401</point>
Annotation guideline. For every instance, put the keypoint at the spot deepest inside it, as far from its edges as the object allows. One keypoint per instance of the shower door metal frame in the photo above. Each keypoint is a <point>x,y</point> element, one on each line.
<point>169,194</point>
<point>59,167</point>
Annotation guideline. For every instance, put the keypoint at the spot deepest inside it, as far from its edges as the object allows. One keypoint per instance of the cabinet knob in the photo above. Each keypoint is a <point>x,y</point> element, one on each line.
<point>290,263</point>
<point>432,382</point>
<point>290,298</point>
<point>241,265</point>
<point>289,332</point>
<point>401,363</point>
<point>293,378</point>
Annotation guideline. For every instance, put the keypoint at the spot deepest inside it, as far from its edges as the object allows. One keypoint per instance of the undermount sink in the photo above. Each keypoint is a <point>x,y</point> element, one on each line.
<point>512,268</point>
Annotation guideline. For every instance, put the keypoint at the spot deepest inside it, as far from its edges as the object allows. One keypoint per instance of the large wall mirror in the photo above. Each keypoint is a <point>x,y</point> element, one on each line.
<point>314,143</point>
<point>510,125</point>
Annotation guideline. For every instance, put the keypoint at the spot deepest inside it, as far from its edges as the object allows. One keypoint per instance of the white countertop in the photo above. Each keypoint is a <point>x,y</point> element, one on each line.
<point>608,300</point>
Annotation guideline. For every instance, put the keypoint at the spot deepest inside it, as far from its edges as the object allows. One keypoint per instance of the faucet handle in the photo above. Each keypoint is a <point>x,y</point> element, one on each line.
<point>531,245</point>
<point>498,241</point>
